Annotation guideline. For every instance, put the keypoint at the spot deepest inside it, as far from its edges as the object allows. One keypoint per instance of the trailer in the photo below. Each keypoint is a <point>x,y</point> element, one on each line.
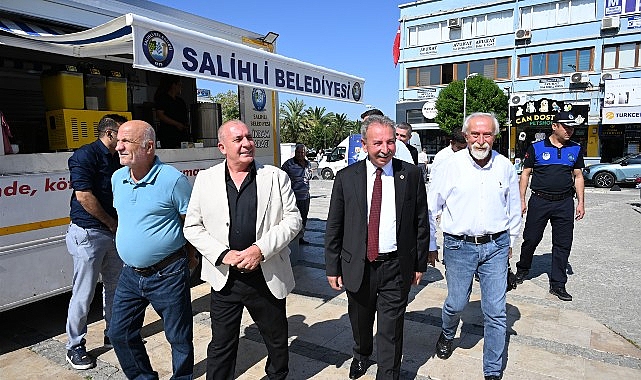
<point>131,44</point>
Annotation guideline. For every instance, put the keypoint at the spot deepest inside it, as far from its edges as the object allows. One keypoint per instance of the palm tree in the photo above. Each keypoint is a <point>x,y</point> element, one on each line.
<point>292,120</point>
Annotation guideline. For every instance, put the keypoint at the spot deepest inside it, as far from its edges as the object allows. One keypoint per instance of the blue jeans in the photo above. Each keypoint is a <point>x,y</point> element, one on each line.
<point>94,253</point>
<point>169,294</point>
<point>490,261</point>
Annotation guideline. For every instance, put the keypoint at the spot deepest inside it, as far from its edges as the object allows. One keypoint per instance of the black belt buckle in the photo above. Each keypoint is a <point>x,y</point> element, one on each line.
<point>483,239</point>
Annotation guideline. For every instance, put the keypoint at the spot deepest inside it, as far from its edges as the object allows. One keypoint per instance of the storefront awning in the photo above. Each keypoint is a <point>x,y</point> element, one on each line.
<point>158,46</point>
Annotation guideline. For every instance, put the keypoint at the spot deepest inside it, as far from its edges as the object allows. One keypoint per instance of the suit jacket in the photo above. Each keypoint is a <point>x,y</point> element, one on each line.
<point>346,231</point>
<point>413,152</point>
<point>278,221</point>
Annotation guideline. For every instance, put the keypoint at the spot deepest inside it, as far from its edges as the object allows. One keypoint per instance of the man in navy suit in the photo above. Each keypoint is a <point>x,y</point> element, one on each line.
<point>377,266</point>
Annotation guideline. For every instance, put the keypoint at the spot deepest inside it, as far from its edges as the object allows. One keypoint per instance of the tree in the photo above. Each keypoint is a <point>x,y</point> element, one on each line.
<point>229,104</point>
<point>292,120</point>
<point>483,95</point>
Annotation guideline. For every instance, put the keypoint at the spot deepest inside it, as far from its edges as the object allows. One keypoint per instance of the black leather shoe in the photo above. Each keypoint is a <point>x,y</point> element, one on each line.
<point>560,292</point>
<point>521,275</point>
<point>444,347</point>
<point>493,377</point>
<point>357,369</point>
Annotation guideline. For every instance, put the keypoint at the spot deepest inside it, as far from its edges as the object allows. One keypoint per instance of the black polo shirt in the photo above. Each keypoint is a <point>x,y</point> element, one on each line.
<point>243,204</point>
<point>90,168</point>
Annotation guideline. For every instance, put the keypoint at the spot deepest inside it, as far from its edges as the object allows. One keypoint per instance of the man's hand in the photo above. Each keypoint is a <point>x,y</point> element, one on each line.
<point>432,258</point>
<point>417,278</point>
<point>232,258</point>
<point>580,211</point>
<point>523,206</point>
<point>250,258</point>
<point>509,253</point>
<point>336,282</point>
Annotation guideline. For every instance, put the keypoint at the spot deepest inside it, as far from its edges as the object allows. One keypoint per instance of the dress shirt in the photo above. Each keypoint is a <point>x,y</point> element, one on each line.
<point>475,200</point>
<point>243,205</point>
<point>387,226</point>
<point>440,157</point>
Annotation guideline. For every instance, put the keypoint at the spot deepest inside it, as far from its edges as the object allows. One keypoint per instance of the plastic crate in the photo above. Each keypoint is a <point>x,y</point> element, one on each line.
<point>71,129</point>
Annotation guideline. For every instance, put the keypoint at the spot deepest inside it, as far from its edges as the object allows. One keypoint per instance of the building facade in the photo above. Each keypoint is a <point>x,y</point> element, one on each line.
<point>578,55</point>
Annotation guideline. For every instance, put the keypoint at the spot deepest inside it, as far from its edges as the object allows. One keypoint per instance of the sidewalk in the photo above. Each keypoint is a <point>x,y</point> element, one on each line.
<point>547,338</point>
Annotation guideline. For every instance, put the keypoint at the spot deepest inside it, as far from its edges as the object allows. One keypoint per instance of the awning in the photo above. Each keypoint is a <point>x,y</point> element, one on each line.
<point>168,48</point>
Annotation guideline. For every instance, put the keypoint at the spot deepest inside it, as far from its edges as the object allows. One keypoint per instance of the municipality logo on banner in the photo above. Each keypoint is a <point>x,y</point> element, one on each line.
<point>158,49</point>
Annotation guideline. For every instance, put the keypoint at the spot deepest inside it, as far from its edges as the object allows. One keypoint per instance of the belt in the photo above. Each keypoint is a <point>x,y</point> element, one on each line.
<point>386,256</point>
<point>554,197</point>
<point>481,239</point>
<point>162,264</point>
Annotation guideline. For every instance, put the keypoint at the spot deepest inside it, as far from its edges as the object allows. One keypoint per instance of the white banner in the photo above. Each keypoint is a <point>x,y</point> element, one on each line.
<point>194,54</point>
<point>622,92</point>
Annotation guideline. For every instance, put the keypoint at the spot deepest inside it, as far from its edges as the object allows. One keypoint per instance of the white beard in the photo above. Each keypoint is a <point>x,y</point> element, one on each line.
<point>480,152</point>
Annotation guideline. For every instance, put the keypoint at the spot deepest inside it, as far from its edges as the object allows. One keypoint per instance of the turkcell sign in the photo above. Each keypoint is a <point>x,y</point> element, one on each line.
<point>194,54</point>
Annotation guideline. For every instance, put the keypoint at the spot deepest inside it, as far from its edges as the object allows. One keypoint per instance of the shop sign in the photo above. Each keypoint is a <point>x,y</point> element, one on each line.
<point>427,50</point>
<point>485,42</point>
<point>619,7</point>
<point>540,113</point>
<point>429,109</point>
<point>548,83</point>
<point>426,93</point>
<point>611,131</point>
<point>462,45</point>
<point>634,22</point>
<point>621,115</point>
<point>622,92</point>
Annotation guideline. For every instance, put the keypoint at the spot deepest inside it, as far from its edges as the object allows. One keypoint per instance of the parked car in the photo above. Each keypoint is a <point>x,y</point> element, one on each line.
<point>622,170</point>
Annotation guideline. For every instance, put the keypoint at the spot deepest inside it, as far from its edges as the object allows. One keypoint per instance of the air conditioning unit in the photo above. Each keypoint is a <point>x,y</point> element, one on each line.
<point>454,23</point>
<point>578,77</point>
<point>517,99</point>
<point>608,76</point>
<point>522,34</point>
<point>610,22</point>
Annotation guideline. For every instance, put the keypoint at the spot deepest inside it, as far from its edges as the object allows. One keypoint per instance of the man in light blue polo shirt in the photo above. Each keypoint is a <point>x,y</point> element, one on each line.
<point>151,199</point>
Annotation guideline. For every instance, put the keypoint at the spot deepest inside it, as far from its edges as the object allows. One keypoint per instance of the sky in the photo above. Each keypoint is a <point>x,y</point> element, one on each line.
<point>351,36</point>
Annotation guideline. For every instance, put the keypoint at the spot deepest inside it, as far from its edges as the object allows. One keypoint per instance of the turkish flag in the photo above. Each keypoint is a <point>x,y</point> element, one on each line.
<point>396,49</point>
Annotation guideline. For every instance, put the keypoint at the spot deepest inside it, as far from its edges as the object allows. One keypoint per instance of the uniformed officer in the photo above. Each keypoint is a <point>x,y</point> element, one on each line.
<point>556,165</point>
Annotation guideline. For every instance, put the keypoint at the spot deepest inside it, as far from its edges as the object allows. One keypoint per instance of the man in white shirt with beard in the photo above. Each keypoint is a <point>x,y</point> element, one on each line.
<point>479,202</point>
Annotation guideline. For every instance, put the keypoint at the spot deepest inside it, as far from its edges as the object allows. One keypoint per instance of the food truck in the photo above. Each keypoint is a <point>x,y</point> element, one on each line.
<point>65,64</point>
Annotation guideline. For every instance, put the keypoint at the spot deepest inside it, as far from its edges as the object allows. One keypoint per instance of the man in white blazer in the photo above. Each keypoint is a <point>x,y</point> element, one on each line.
<point>241,217</point>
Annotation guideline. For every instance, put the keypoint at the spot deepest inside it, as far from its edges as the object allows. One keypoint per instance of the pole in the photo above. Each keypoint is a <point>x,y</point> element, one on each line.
<point>465,94</point>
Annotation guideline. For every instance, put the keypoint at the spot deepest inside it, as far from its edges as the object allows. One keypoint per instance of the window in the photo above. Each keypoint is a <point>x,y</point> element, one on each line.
<point>563,62</point>
<point>414,116</point>
<point>621,56</point>
<point>495,68</point>
<point>557,13</point>
<point>471,27</point>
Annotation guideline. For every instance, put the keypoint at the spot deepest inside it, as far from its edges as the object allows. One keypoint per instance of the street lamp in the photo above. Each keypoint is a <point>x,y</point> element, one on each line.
<point>465,94</point>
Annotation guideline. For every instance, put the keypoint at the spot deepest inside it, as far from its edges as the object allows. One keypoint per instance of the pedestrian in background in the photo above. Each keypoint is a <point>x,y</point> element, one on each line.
<point>376,244</point>
<point>478,199</point>
<point>243,233</point>
<point>423,160</point>
<point>172,113</point>
<point>404,133</point>
<point>151,198</point>
<point>90,236</point>
<point>555,164</point>
<point>458,142</point>
<point>299,170</point>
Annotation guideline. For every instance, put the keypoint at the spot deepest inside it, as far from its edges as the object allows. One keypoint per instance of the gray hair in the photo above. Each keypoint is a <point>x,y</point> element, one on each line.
<point>148,135</point>
<point>466,123</point>
<point>405,126</point>
<point>376,119</point>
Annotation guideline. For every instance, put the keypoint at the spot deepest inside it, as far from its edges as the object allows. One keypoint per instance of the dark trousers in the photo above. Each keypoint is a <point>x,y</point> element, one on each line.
<point>303,207</point>
<point>246,290</point>
<point>380,292</point>
<point>561,217</point>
